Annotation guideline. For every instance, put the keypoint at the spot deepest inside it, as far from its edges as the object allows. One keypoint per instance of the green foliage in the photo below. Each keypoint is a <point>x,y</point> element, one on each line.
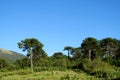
<point>103,70</point>
<point>3,63</point>
<point>115,62</point>
<point>109,46</point>
<point>97,68</point>
<point>66,77</point>
<point>90,46</point>
<point>34,49</point>
<point>90,43</point>
<point>39,69</point>
<point>5,66</point>
<point>58,55</point>
<point>44,75</point>
<point>95,60</point>
<point>25,62</point>
<point>70,50</point>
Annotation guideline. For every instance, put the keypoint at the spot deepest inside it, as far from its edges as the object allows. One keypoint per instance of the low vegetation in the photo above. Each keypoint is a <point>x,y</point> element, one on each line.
<point>45,75</point>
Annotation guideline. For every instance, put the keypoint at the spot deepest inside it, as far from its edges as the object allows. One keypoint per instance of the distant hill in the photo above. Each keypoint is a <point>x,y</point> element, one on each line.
<point>10,56</point>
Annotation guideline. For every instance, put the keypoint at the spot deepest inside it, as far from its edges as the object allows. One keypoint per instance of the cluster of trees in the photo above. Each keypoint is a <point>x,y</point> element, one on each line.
<point>92,48</point>
<point>90,56</point>
<point>107,49</point>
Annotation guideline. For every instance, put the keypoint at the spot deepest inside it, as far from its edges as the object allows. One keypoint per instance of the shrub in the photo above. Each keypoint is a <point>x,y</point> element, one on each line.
<point>104,70</point>
<point>65,77</point>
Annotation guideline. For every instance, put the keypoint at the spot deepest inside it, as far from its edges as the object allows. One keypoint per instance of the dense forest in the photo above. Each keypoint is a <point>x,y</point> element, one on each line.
<point>98,58</point>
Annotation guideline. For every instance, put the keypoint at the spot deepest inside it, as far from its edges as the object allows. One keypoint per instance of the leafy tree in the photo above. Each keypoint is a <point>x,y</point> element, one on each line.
<point>58,55</point>
<point>3,63</point>
<point>29,45</point>
<point>69,49</point>
<point>59,59</point>
<point>90,46</point>
<point>109,46</point>
<point>116,57</point>
<point>39,54</point>
<point>77,53</point>
<point>22,63</point>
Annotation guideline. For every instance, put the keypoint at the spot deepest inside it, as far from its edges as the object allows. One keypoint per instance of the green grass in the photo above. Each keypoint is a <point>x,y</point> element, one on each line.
<point>45,75</point>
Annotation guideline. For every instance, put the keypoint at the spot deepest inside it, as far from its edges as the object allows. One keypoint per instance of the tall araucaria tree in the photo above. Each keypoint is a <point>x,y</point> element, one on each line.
<point>90,45</point>
<point>29,45</point>
<point>69,49</point>
<point>109,46</point>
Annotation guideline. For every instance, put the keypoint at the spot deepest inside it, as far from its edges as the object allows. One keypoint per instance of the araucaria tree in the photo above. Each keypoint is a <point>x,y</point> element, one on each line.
<point>30,45</point>
<point>90,45</point>
<point>69,49</point>
<point>109,46</point>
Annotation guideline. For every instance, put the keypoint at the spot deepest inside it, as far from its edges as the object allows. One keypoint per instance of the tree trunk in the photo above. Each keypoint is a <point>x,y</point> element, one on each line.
<point>90,55</point>
<point>107,48</point>
<point>68,54</point>
<point>31,61</point>
<point>68,59</point>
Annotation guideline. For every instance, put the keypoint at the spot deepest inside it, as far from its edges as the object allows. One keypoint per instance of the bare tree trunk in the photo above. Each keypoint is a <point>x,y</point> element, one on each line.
<point>90,55</point>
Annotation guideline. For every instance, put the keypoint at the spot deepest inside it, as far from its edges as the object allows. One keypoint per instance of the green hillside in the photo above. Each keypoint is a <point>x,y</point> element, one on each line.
<point>10,56</point>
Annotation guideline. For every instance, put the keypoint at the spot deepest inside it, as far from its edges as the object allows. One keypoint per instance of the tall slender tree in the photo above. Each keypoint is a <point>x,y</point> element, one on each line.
<point>29,45</point>
<point>69,49</point>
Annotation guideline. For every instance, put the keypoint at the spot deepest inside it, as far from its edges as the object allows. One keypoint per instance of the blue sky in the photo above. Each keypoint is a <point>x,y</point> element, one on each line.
<point>57,23</point>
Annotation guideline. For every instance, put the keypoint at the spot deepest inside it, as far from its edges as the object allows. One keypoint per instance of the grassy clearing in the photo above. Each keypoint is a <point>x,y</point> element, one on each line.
<point>45,75</point>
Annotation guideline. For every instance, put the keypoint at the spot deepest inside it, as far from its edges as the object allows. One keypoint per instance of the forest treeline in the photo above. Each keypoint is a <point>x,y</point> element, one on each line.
<point>99,58</point>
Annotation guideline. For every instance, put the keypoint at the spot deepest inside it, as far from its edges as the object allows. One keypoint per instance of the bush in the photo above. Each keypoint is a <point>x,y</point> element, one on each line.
<point>104,70</point>
<point>99,68</point>
<point>66,77</point>
<point>38,69</point>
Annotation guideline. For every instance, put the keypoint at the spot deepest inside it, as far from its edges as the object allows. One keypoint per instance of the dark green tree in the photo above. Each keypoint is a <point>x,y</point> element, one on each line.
<point>117,55</point>
<point>78,53</point>
<point>3,63</point>
<point>39,54</point>
<point>59,59</point>
<point>22,63</point>
<point>90,46</point>
<point>58,55</point>
<point>69,49</point>
<point>29,45</point>
<point>109,46</point>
